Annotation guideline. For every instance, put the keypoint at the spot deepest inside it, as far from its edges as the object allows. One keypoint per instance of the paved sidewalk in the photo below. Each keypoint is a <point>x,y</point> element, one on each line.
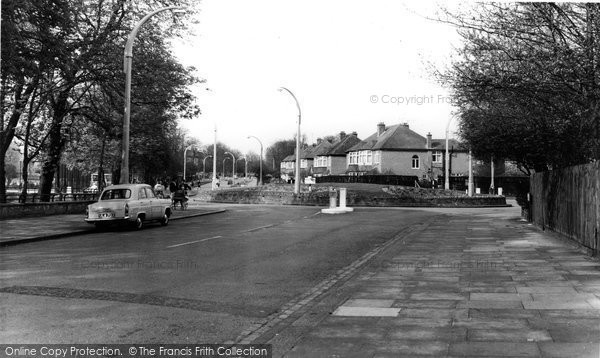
<point>463,285</point>
<point>17,231</point>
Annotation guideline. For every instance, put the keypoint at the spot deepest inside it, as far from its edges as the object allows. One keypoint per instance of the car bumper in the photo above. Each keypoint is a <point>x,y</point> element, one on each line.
<point>108,220</point>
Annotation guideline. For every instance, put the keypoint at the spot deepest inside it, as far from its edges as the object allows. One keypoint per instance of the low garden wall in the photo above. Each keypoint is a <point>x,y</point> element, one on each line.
<point>8,211</point>
<point>256,196</point>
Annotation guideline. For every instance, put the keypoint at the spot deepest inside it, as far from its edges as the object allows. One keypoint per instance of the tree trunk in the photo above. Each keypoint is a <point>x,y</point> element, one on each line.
<point>101,181</point>
<point>3,180</point>
<point>25,176</point>
<point>7,130</point>
<point>56,143</point>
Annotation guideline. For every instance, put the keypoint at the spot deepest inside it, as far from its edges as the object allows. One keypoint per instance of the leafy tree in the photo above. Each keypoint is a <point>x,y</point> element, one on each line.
<point>74,50</point>
<point>278,151</point>
<point>526,82</point>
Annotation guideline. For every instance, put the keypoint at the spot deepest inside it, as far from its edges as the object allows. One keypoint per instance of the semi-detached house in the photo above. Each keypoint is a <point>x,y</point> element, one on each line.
<point>398,150</point>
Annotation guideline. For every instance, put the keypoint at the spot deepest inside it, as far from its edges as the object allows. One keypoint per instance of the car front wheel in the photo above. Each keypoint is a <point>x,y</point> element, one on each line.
<point>139,223</point>
<point>165,220</point>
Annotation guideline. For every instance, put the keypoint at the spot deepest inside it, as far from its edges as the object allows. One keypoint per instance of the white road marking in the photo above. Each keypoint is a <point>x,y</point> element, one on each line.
<point>194,242</point>
<point>260,227</point>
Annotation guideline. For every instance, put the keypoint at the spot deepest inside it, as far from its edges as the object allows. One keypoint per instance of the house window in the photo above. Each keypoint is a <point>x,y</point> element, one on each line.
<point>353,158</point>
<point>437,157</point>
<point>303,163</point>
<point>321,161</point>
<point>365,157</point>
<point>415,162</point>
<point>377,157</point>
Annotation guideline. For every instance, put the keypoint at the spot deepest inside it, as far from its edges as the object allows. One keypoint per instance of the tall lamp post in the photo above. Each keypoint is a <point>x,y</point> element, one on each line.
<point>470,186</point>
<point>447,166</point>
<point>128,56</point>
<point>233,165</point>
<point>260,182</point>
<point>214,175</point>
<point>297,181</point>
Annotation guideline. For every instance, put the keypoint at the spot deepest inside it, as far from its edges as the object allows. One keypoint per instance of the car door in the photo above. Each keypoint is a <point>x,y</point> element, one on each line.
<point>155,203</point>
<point>144,203</point>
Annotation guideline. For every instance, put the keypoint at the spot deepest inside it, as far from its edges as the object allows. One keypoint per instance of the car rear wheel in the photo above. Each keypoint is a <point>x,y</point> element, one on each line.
<point>165,220</point>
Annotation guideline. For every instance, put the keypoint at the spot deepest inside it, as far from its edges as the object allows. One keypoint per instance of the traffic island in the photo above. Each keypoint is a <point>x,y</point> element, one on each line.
<point>333,208</point>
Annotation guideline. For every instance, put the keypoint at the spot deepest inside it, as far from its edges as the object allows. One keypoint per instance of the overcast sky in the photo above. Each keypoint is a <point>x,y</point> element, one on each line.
<point>351,64</point>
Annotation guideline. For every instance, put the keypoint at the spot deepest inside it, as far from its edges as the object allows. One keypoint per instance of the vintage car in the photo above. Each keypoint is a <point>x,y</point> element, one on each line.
<point>128,203</point>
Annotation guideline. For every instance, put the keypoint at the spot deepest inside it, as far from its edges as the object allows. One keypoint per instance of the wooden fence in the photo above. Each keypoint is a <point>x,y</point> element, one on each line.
<point>566,201</point>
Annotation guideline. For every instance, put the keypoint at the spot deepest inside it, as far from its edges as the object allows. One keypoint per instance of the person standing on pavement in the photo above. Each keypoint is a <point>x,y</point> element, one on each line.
<point>172,187</point>
<point>159,189</point>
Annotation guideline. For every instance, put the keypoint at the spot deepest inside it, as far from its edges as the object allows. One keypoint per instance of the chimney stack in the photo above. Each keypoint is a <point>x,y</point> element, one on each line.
<point>380,128</point>
<point>354,134</point>
<point>342,135</point>
<point>428,145</point>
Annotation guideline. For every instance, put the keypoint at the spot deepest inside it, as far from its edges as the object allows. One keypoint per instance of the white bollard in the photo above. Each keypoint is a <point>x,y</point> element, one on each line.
<point>343,198</point>
<point>477,190</point>
<point>332,198</point>
<point>500,191</point>
<point>332,202</point>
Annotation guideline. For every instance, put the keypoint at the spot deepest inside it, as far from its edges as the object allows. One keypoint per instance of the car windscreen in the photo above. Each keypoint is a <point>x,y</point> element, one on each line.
<point>116,194</point>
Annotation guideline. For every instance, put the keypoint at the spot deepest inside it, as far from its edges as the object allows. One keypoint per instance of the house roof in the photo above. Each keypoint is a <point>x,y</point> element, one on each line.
<point>440,144</point>
<point>401,137</point>
<point>322,148</point>
<point>290,158</point>
<point>307,153</point>
<point>340,148</point>
<point>398,136</point>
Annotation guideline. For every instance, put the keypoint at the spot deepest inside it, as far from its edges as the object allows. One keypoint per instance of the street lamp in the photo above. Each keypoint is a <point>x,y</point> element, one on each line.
<point>204,164</point>
<point>128,55</point>
<point>224,165</point>
<point>297,181</point>
<point>260,182</point>
<point>233,165</point>
<point>185,159</point>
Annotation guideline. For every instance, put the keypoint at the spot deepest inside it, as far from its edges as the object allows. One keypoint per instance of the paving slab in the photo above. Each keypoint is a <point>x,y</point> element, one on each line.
<point>468,286</point>
<point>562,350</point>
<point>494,349</point>
<point>508,335</point>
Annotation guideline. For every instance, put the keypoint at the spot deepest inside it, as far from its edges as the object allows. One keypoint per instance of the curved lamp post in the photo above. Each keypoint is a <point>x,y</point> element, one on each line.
<point>185,158</point>
<point>224,165</point>
<point>128,55</point>
<point>204,163</point>
<point>233,165</point>
<point>297,181</point>
<point>260,163</point>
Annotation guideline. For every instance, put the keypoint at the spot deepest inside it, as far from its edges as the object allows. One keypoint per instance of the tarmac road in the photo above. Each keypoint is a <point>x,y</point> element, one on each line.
<point>206,279</point>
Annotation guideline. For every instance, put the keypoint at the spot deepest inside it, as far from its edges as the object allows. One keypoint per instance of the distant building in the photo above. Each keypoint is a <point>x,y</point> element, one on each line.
<point>331,159</point>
